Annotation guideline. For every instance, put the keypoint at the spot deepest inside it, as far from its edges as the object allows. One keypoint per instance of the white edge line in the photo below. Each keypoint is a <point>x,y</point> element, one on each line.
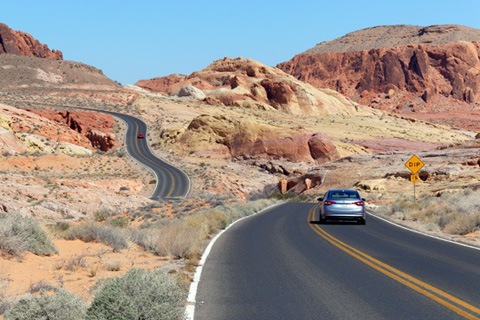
<point>192,293</point>
<point>423,233</point>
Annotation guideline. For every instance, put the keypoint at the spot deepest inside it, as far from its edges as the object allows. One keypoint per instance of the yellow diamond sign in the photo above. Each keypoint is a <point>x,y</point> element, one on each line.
<point>414,164</point>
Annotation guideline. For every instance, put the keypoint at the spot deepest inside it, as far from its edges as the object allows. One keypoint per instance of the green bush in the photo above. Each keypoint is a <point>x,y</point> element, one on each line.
<point>139,294</point>
<point>61,305</point>
<point>19,234</point>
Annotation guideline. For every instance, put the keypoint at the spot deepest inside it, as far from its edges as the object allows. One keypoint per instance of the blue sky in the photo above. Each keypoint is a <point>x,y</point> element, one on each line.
<point>134,40</point>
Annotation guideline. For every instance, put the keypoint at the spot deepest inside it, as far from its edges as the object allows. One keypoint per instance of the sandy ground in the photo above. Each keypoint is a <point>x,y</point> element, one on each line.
<point>77,267</point>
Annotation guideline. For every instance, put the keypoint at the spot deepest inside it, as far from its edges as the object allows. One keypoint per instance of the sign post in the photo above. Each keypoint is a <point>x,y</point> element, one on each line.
<point>414,164</point>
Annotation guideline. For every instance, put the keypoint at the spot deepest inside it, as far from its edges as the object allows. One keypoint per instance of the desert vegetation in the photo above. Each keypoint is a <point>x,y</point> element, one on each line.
<point>19,234</point>
<point>152,294</point>
<point>454,212</point>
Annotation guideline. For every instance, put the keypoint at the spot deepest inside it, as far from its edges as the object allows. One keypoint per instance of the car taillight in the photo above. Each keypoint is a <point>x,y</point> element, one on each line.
<point>359,203</point>
<point>328,202</point>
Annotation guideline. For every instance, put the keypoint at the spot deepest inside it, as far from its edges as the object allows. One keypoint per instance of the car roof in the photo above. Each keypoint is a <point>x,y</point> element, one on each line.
<point>342,190</point>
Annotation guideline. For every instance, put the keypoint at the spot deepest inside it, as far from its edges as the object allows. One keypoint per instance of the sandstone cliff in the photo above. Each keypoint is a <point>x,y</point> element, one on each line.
<point>23,44</point>
<point>404,68</point>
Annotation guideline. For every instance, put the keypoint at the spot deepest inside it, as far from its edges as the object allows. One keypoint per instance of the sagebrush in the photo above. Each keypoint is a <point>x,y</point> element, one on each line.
<point>19,234</point>
<point>139,294</point>
<point>56,304</point>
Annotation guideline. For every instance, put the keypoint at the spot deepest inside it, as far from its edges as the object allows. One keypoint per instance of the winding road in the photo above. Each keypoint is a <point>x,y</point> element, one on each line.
<point>282,264</point>
<point>171,182</point>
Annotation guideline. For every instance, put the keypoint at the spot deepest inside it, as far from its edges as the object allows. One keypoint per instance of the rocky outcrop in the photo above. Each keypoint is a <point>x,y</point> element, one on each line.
<point>162,84</point>
<point>94,126</point>
<point>24,131</point>
<point>402,68</point>
<point>247,83</point>
<point>23,44</point>
<point>228,138</point>
<point>192,92</point>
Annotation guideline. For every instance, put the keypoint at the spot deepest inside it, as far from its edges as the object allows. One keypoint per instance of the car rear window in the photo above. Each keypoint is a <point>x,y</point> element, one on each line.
<point>344,194</point>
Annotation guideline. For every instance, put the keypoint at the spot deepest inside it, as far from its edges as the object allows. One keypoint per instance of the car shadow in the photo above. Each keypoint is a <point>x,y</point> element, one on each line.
<point>340,223</point>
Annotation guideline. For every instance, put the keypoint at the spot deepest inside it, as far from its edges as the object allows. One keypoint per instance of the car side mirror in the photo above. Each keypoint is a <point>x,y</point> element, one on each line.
<point>320,199</point>
<point>363,199</point>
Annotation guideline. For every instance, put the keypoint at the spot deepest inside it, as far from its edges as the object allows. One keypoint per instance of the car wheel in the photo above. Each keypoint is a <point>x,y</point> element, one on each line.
<point>362,221</point>
<point>322,220</point>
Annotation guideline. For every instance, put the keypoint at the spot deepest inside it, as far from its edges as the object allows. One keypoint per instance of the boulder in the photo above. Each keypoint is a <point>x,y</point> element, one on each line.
<point>322,148</point>
<point>191,92</point>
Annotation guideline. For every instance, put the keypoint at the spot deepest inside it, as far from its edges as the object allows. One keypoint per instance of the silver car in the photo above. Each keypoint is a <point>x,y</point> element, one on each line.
<point>342,204</point>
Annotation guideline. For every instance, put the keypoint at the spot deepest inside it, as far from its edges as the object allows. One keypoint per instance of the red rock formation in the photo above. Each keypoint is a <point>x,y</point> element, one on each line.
<point>245,140</point>
<point>94,126</point>
<point>161,84</point>
<point>247,83</point>
<point>23,44</point>
<point>407,77</point>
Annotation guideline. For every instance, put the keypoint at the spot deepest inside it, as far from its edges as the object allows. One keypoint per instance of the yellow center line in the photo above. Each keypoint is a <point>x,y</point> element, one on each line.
<point>404,278</point>
<point>172,184</point>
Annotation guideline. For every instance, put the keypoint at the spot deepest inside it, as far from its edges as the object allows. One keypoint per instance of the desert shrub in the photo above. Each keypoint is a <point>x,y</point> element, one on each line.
<point>103,214</point>
<point>178,239</point>
<point>119,222</point>
<point>19,234</point>
<point>48,305</point>
<point>75,263</point>
<point>237,211</point>
<point>185,238</point>
<point>88,232</point>
<point>208,221</point>
<point>454,213</point>
<point>139,294</point>
<point>113,265</point>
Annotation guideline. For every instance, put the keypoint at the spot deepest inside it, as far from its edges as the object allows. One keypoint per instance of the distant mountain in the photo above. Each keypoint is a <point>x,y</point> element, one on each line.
<point>397,35</point>
<point>403,68</point>
<point>25,62</point>
<point>23,44</point>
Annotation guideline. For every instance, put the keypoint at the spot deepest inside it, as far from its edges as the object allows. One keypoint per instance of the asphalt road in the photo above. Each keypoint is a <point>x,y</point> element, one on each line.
<point>171,182</point>
<point>281,264</point>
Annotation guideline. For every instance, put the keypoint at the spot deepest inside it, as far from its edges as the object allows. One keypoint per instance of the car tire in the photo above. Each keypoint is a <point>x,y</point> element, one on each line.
<point>322,220</point>
<point>362,222</point>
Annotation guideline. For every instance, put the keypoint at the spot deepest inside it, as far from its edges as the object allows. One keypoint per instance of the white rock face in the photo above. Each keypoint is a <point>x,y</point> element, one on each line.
<point>192,92</point>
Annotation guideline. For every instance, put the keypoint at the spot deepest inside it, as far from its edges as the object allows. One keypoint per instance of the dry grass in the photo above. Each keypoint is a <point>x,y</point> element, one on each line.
<point>454,213</point>
<point>88,232</point>
<point>186,237</point>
